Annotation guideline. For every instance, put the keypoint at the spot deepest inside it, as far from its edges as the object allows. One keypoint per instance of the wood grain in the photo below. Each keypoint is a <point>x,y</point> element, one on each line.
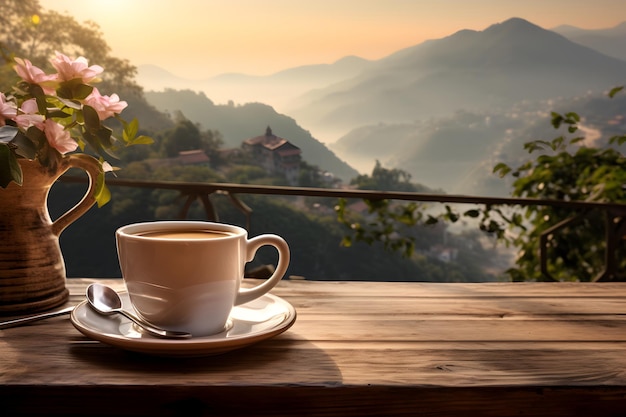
<point>356,349</point>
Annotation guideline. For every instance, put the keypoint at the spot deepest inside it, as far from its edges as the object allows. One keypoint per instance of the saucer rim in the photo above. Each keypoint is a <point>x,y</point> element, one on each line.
<point>195,346</point>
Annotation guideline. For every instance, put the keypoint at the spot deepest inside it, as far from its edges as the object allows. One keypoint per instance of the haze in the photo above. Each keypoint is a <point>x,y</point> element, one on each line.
<point>198,39</point>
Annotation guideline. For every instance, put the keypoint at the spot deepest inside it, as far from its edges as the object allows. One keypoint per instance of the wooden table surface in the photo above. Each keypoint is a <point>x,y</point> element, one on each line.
<point>356,349</point>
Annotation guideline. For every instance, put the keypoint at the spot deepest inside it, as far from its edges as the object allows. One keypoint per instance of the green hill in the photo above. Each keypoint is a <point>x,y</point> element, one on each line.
<point>241,122</point>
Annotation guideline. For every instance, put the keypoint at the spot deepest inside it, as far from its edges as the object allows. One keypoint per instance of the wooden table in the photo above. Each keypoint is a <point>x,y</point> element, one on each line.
<point>356,349</point>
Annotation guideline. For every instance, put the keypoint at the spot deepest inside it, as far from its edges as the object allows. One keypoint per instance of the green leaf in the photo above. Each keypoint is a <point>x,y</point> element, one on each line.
<point>74,89</point>
<point>104,134</point>
<point>82,91</point>
<point>25,146</point>
<point>557,143</point>
<point>92,120</point>
<point>536,145</point>
<point>557,119</point>
<point>615,90</point>
<point>431,220</point>
<point>620,140</point>
<point>130,130</point>
<point>70,103</point>
<point>572,117</point>
<point>101,193</point>
<point>10,169</point>
<point>502,169</point>
<point>59,114</point>
<point>93,141</point>
<point>472,213</point>
<point>142,140</point>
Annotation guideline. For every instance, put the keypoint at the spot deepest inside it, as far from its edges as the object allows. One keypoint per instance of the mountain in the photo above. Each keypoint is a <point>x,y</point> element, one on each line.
<point>470,70</point>
<point>238,123</point>
<point>611,42</point>
<point>155,78</point>
<point>275,89</point>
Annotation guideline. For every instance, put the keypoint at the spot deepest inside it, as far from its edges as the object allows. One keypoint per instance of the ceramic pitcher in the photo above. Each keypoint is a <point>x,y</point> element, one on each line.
<point>32,270</point>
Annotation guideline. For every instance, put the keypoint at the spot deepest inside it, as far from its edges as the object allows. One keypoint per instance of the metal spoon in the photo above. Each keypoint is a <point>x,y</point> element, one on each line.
<point>106,301</point>
<point>29,319</point>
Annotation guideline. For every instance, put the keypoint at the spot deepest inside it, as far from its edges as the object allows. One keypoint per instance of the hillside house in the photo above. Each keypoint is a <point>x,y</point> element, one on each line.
<point>275,154</point>
<point>194,157</point>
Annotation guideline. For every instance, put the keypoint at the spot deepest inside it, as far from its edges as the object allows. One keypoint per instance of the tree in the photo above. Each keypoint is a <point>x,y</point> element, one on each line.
<point>28,31</point>
<point>385,179</point>
<point>187,136</point>
<point>388,222</point>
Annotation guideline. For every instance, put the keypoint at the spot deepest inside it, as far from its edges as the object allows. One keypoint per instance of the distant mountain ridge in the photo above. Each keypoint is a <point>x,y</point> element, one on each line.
<point>611,41</point>
<point>471,70</point>
<point>280,87</point>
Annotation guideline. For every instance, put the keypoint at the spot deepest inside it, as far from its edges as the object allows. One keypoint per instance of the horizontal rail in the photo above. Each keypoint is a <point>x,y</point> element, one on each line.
<point>210,188</point>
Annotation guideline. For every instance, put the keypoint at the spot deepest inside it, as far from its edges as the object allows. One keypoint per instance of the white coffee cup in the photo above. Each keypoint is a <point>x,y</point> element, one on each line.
<point>186,275</point>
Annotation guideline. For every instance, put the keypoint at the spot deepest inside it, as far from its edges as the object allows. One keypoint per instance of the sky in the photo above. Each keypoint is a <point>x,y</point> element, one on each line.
<point>198,39</point>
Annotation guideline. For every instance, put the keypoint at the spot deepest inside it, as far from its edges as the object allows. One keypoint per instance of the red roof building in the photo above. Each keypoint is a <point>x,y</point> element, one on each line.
<point>194,157</point>
<point>275,154</point>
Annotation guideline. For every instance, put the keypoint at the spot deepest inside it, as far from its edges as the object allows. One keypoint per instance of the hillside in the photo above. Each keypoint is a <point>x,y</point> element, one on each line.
<point>238,123</point>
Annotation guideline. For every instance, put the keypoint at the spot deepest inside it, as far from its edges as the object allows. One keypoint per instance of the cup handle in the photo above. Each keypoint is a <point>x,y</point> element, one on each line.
<point>93,169</point>
<point>248,294</point>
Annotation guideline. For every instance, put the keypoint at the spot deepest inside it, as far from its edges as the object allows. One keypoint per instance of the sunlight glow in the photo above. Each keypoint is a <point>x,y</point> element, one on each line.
<point>201,38</point>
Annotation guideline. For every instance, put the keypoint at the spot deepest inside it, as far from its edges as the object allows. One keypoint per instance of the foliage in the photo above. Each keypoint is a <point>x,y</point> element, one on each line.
<point>186,136</point>
<point>384,221</point>
<point>385,179</point>
<point>565,169</point>
<point>46,116</point>
<point>380,224</point>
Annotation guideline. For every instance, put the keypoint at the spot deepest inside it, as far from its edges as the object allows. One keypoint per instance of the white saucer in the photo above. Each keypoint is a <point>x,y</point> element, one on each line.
<point>249,323</point>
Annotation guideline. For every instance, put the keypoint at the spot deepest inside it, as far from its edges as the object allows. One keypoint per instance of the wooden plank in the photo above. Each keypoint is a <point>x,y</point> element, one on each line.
<point>470,290</point>
<point>457,301</point>
<point>293,359</point>
<point>296,288</point>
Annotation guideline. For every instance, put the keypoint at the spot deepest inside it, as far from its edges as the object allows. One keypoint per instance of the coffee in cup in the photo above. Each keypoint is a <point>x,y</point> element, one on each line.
<point>187,275</point>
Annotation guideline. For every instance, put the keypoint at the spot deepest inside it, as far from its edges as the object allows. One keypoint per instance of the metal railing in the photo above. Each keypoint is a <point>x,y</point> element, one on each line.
<point>614,213</point>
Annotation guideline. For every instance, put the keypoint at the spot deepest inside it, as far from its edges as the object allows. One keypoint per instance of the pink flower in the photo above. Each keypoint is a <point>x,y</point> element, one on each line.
<point>58,137</point>
<point>28,116</point>
<point>78,68</point>
<point>105,106</point>
<point>8,109</point>
<point>34,75</point>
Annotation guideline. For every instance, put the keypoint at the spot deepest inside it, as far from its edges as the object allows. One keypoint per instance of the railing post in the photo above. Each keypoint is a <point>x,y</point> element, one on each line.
<point>614,232</point>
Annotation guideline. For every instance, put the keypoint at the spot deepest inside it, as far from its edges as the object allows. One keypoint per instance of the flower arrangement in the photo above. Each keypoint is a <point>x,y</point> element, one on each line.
<point>46,116</point>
